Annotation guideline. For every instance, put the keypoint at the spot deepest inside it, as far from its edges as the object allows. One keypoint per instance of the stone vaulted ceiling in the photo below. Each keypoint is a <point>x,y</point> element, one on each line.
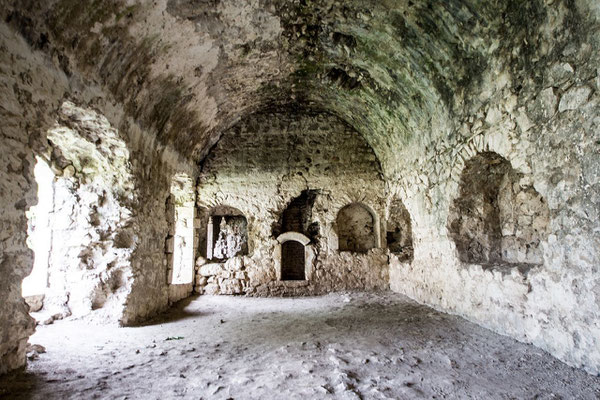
<point>396,70</point>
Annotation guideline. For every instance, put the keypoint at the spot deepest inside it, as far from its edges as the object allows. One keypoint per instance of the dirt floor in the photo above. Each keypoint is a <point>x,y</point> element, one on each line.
<point>339,346</point>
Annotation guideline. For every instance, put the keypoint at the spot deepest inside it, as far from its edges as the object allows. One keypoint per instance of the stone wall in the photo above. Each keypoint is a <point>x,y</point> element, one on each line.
<point>27,86</point>
<point>272,160</point>
<point>91,236</point>
<point>34,88</point>
<point>540,113</point>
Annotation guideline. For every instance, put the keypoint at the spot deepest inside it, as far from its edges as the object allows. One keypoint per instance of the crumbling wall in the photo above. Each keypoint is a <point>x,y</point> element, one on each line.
<point>91,233</point>
<point>34,87</point>
<point>537,107</point>
<point>266,163</point>
<point>497,220</point>
<point>232,237</point>
<point>29,90</point>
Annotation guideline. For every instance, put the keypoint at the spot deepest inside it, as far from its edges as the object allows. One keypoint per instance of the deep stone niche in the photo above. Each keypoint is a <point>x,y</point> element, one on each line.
<point>230,236</point>
<point>356,228</point>
<point>399,231</point>
<point>498,220</point>
<point>226,233</point>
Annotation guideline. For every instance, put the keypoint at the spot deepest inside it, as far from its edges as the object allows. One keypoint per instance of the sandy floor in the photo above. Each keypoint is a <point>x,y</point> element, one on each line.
<point>342,346</point>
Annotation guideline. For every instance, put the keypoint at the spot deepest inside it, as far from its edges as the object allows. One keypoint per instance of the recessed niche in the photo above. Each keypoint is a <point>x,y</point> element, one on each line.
<point>297,217</point>
<point>497,221</point>
<point>356,228</point>
<point>399,231</point>
<point>226,234</point>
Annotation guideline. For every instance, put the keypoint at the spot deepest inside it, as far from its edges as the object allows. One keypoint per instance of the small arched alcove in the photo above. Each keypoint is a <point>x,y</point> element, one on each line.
<point>356,228</point>
<point>226,233</point>
<point>293,257</point>
<point>497,220</point>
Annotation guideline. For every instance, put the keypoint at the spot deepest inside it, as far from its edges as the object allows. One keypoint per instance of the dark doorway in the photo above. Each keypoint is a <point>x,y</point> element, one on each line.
<point>292,261</point>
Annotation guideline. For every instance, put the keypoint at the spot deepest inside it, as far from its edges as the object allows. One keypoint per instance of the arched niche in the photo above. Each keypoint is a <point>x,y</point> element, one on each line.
<point>357,228</point>
<point>399,231</point>
<point>497,220</point>
<point>226,233</point>
<point>293,257</point>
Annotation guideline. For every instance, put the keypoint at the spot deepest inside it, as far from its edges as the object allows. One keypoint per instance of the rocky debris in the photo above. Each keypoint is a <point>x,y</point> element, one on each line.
<point>34,351</point>
<point>574,98</point>
<point>35,303</point>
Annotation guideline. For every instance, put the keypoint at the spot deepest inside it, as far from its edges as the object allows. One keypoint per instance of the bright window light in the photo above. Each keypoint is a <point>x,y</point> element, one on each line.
<point>40,233</point>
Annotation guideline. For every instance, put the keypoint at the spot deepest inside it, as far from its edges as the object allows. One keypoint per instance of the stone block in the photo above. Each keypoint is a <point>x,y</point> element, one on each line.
<point>231,286</point>
<point>211,269</point>
<point>211,289</point>
<point>574,98</point>
<point>170,245</point>
<point>234,264</point>
<point>200,261</point>
<point>35,303</point>
<point>202,281</point>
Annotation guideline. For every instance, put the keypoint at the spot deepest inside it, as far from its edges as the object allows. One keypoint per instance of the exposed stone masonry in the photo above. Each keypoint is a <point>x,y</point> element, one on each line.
<point>266,165</point>
<point>497,219</point>
<point>468,129</point>
<point>355,228</point>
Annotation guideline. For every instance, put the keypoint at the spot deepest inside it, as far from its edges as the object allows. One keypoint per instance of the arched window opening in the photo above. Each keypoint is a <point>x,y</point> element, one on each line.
<point>356,229</point>
<point>399,231</point>
<point>182,196</point>
<point>497,221</point>
<point>226,234</point>
<point>40,235</point>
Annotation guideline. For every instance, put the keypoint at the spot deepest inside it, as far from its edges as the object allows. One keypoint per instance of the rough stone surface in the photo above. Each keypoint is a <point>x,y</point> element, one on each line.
<point>399,235</point>
<point>554,306</point>
<point>261,165</point>
<point>91,239</point>
<point>498,219</point>
<point>428,85</point>
<point>339,346</point>
<point>33,91</point>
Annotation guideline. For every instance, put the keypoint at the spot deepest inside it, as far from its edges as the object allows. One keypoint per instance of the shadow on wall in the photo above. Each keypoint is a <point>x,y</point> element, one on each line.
<point>498,219</point>
<point>297,217</point>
